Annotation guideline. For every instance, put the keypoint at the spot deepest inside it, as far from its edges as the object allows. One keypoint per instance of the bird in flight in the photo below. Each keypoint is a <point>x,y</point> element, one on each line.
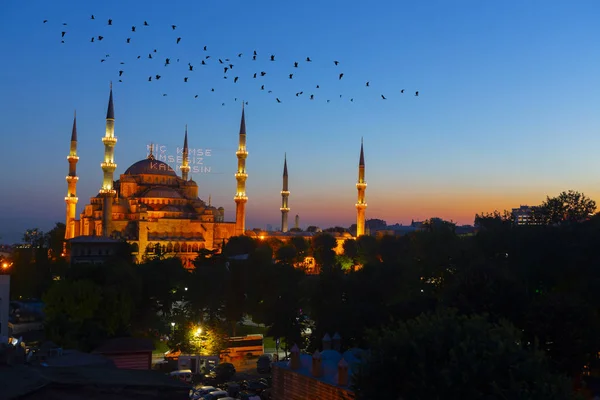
<point>128,40</point>
<point>110,21</point>
<point>336,62</point>
<point>100,37</point>
<point>133,29</point>
<point>417,93</point>
<point>296,64</point>
<point>149,79</point>
<point>145,23</point>
<point>262,87</point>
<point>167,62</point>
<point>308,59</point>
<point>277,98</point>
<point>196,96</point>
<point>93,17</point>
<point>157,77</point>
<point>291,75</point>
<point>312,96</point>
<point>191,67</point>
<point>235,79</point>
<point>45,21</point>
<point>272,57</point>
<point>185,79</point>
<point>255,75</point>
<point>173,26</point>
<point>92,39</point>
<point>63,34</point>
<point>341,75</point>
<point>263,73</point>
<point>178,40</point>
<point>204,48</point>
<point>367,85</point>
<point>383,97</point>
<point>149,55</point>
<point>225,69</point>
<point>402,91</point>
<point>240,54</point>
<point>121,73</point>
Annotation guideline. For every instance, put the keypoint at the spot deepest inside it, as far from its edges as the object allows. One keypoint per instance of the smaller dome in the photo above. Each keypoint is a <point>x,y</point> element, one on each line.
<point>171,208</point>
<point>192,182</point>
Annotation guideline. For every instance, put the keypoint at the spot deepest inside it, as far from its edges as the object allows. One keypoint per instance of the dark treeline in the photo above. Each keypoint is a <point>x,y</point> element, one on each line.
<point>509,298</point>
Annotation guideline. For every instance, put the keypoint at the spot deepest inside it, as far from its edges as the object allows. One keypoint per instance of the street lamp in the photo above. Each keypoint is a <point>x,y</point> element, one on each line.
<point>172,328</point>
<point>198,331</point>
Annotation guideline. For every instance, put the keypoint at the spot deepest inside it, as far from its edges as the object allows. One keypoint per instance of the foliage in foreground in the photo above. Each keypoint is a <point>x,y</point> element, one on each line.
<point>449,356</point>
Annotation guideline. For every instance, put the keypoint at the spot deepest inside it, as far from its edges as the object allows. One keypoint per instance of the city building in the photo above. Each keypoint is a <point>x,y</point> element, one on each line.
<point>150,206</point>
<point>523,215</point>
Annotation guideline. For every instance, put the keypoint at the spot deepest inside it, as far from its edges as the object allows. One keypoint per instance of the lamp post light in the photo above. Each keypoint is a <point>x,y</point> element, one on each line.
<point>173,328</point>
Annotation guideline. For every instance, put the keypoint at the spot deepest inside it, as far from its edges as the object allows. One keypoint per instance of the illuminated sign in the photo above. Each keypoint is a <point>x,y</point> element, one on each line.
<point>198,158</point>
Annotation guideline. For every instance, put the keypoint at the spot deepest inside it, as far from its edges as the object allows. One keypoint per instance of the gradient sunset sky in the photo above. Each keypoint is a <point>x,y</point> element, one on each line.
<point>507,111</point>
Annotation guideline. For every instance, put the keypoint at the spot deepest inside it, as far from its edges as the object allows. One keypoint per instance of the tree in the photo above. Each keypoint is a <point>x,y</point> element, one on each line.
<point>494,220</point>
<point>313,228</point>
<point>322,247</point>
<point>449,356</point>
<point>238,245</point>
<point>570,206</point>
<point>286,254</point>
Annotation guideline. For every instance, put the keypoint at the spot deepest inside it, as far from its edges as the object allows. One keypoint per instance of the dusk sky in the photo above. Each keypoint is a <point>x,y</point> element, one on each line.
<point>507,112</point>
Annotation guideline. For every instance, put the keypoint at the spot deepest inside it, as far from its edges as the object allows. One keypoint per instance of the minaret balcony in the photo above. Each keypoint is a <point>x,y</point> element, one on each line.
<point>361,185</point>
<point>241,152</point>
<point>241,175</point>
<point>185,168</point>
<point>240,196</point>
<point>71,199</point>
<point>72,158</point>
<point>109,140</point>
<point>111,192</point>
<point>108,166</point>
<point>286,209</point>
<point>70,178</point>
<point>285,192</point>
<point>361,205</point>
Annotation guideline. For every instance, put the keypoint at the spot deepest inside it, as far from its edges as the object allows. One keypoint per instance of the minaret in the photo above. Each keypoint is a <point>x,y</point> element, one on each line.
<point>107,192</point>
<point>240,176</point>
<point>361,186</point>
<point>72,179</point>
<point>185,167</point>
<point>285,193</point>
<point>297,222</point>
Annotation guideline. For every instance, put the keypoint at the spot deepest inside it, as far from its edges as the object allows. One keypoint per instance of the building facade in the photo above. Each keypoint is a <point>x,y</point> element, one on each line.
<point>150,206</point>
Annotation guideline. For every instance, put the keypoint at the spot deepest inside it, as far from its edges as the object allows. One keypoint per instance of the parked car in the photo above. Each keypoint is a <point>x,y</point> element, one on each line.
<point>218,394</point>
<point>224,371</point>
<point>184,375</point>
<point>202,391</point>
<point>263,364</point>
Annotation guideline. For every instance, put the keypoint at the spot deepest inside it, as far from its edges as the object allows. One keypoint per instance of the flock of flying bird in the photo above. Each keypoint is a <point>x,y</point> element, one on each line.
<point>226,63</point>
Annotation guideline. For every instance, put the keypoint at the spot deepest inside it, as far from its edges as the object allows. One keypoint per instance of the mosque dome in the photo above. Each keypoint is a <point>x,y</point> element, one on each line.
<point>162,192</point>
<point>150,166</point>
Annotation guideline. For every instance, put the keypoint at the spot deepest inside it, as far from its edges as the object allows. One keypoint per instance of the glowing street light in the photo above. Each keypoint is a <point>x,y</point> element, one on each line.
<point>173,328</point>
<point>198,331</point>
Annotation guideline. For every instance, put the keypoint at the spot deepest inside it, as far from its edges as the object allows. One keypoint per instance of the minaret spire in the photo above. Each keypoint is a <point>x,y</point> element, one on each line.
<point>72,178</point>
<point>107,192</point>
<point>361,186</point>
<point>185,166</point>
<point>240,176</point>
<point>285,193</point>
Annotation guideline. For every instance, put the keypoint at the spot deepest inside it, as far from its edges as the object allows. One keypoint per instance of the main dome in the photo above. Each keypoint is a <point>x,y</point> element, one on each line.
<point>150,166</point>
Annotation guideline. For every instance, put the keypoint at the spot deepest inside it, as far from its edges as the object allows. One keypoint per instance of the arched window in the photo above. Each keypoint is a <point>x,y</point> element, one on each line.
<point>195,247</point>
<point>169,247</point>
<point>176,248</point>
<point>135,248</point>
